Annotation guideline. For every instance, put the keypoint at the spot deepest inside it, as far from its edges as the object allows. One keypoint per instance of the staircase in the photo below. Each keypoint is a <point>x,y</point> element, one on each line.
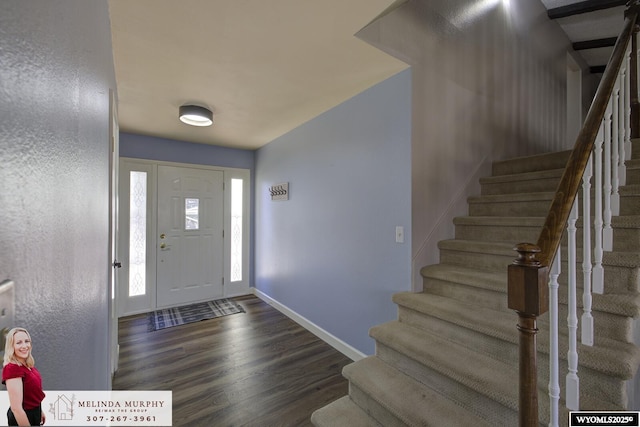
<point>451,357</point>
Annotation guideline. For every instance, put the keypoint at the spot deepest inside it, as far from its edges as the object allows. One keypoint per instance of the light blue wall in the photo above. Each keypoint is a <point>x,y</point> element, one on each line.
<point>329,252</point>
<point>169,150</point>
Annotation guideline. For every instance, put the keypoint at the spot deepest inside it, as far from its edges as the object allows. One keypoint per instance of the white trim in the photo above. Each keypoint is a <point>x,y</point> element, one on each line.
<point>325,336</point>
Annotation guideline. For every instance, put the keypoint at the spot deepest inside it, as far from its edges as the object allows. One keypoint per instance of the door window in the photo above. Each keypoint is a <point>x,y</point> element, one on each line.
<point>191,214</point>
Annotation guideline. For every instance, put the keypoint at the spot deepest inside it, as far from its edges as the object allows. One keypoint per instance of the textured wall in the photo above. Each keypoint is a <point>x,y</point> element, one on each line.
<point>56,69</point>
<point>489,82</point>
<point>329,252</point>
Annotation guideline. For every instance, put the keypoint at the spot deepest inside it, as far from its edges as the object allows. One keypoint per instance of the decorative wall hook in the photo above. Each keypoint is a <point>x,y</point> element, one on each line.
<point>279,191</point>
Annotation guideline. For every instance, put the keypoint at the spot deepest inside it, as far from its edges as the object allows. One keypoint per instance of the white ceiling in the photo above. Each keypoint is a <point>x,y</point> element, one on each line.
<point>262,67</point>
<point>595,25</point>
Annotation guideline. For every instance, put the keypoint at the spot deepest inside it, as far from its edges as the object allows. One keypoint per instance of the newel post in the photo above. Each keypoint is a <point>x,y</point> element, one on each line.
<point>528,295</point>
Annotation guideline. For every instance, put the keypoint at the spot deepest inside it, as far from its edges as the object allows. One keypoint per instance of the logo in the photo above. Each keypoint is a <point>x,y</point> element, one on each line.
<point>62,407</point>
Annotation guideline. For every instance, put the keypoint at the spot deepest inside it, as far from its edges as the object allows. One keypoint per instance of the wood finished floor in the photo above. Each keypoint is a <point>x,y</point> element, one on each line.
<point>257,368</point>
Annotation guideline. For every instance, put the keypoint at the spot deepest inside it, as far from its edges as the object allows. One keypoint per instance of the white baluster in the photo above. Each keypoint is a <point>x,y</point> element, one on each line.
<point>598,270</point>
<point>554,371</point>
<point>607,231</point>
<point>587,318</point>
<point>615,146</point>
<point>572,382</point>
<point>626,153</point>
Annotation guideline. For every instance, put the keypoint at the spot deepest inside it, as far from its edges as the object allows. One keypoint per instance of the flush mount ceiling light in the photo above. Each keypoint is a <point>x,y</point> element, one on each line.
<point>195,115</point>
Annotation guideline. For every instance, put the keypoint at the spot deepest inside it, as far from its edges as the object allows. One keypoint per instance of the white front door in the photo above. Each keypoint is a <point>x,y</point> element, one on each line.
<point>189,240</point>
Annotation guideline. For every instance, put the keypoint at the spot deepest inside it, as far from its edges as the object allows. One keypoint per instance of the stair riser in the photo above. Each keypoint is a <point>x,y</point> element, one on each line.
<point>598,385</point>
<point>630,204</point>
<point>521,186</point>
<point>495,347</point>
<point>525,208</point>
<point>497,300</point>
<point>616,278</point>
<point>492,233</point>
<point>548,161</point>
<point>496,413</point>
<point>633,176</point>
<point>608,325</point>
<point>467,294</point>
<point>486,262</point>
<point>624,239</point>
<point>372,407</point>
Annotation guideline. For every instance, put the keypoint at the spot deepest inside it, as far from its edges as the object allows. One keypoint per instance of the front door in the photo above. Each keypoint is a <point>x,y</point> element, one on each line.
<point>189,241</point>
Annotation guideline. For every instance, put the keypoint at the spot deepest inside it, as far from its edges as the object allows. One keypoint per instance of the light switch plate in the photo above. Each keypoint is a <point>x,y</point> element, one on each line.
<point>7,310</point>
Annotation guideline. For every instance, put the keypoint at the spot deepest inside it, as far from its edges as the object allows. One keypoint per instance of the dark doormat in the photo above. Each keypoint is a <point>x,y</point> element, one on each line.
<point>168,317</point>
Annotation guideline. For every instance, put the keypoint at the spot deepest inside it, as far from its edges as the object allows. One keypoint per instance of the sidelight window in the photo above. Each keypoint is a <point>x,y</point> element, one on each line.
<point>137,233</point>
<point>236,229</point>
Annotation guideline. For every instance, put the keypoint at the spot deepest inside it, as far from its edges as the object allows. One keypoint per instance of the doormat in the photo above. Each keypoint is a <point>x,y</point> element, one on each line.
<point>166,318</point>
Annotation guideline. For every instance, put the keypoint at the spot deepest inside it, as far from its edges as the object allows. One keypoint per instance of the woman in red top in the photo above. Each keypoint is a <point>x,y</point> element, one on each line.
<point>23,381</point>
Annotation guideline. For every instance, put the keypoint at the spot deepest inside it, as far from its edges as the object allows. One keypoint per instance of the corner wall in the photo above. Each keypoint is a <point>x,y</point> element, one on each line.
<point>489,83</point>
<point>329,252</point>
<point>55,75</point>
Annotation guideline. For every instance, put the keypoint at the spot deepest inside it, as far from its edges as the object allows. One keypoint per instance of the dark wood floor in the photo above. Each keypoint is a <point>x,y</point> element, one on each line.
<point>257,368</point>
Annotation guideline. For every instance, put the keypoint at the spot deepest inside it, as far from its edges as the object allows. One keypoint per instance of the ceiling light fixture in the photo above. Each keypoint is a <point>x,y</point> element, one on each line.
<point>195,115</point>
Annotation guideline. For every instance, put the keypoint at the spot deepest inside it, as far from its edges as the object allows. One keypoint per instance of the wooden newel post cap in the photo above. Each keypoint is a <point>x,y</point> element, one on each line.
<point>633,6</point>
<point>528,290</point>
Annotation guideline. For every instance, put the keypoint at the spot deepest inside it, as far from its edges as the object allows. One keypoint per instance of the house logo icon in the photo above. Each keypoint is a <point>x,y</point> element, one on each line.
<point>62,408</point>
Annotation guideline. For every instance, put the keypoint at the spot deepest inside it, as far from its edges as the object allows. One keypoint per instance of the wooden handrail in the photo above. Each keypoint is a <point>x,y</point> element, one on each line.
<point>549,238</point>
<point>529,274</point>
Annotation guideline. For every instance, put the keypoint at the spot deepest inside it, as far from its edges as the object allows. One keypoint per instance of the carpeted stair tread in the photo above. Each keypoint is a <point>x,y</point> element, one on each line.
<point>609,356</point>
<point>626,221</point>
<point>536,162</point>
<point>632,164</point>
<point>618,258</point>
<point>622,259</point>
<point>514,197</point>
<point>527,176</point>
<point>485,375</point>
<point>494,248</point>
<point>494,281</point>
<point>410,401</point>
<point>501,221</point>
<point>342,412</point>
<point>625,304</point>
<point>629,190</point>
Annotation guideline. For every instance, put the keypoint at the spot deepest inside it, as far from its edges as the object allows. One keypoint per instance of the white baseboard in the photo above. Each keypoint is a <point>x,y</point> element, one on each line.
<point>325,336</point>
